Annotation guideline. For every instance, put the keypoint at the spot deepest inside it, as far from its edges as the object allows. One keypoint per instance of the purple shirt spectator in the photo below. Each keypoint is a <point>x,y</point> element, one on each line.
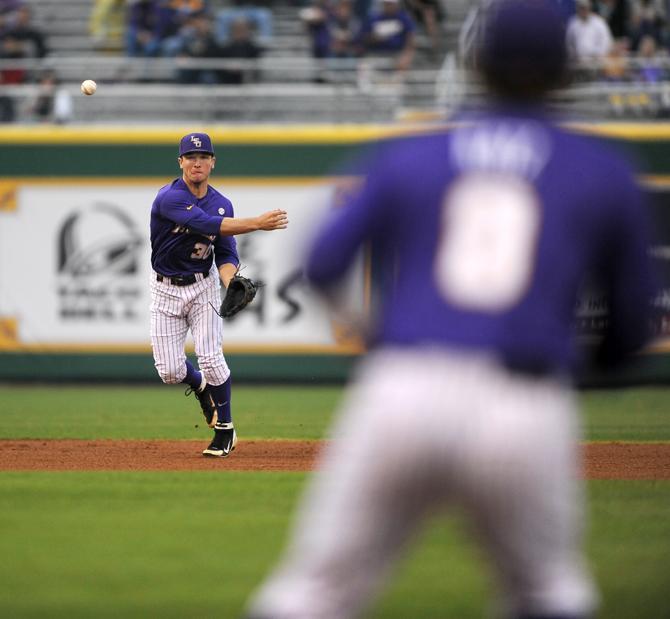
<point>315,18</point>
<point>333,29</point>
<point>9,5</point>
<point>651,69</point>
<point>149,24</point>
<point>389,30</point>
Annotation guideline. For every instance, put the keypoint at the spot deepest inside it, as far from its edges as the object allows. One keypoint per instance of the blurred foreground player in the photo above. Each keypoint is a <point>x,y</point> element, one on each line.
<point>192,228</point>
<point>466,397</point>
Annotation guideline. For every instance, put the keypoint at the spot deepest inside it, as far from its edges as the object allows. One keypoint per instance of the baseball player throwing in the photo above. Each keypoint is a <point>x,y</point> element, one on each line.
<point>192,248</point>
<point>490,229</point>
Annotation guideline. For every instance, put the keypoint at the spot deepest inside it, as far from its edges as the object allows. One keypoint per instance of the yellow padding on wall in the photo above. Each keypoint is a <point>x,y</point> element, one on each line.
<point>8,191</point>
<point>9,334</point>
<point>278,134</point>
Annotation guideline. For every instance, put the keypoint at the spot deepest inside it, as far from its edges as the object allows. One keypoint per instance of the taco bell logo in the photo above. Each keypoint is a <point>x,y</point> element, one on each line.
<point>98,265</point>
<point>197,142</point>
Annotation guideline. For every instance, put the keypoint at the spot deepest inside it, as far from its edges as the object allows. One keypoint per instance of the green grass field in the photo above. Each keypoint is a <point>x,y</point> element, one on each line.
<point>195,544</point>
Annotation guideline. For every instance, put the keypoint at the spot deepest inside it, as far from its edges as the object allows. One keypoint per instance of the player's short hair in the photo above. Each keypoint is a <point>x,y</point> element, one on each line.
<point>521,49</point>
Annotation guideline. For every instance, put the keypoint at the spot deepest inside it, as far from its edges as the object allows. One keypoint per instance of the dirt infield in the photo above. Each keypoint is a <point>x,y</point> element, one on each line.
<point>602,460</point>
<point>155,455</point>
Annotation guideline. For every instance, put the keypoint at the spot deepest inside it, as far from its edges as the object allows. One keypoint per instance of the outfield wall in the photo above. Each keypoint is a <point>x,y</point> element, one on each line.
<point>74,250</point>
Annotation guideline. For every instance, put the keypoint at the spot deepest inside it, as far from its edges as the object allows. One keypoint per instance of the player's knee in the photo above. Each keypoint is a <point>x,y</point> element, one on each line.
<point>169,374</point>
<point>214,368</point>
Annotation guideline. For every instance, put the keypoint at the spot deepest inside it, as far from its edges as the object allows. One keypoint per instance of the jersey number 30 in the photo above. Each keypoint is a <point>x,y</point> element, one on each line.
<point>490,226</point>
<point>201,251</point>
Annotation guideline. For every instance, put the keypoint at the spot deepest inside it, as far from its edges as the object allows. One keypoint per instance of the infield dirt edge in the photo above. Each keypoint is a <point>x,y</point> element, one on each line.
<point>602,460</point>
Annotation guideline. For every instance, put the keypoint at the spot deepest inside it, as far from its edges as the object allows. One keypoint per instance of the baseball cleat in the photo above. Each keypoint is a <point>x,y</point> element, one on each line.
<point>206,401</point>
<point>225,439</point>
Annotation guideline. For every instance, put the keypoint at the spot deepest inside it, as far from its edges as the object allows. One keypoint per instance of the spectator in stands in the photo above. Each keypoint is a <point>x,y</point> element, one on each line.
<point>106,20</point>
<point>362,9</point>
<point>588,36</point>
<point>189,7</point>
<point>7,7</point>
<point>53,103</point>
<point>647,19</point>
<point>10,48</point>
<point>198,42</point>
<point>431,14</point>
<point>316,18</point>
<point>332,28</point>
<point>344,27</point>
<point>153,25</point>
<point>259,19</point>
<point>204,45</point>
<point>32,39</point>
<point>141,28</point>
<point>617,15</point>
<point>193,33</point>
<point>650,68</point>
<point>616,66</point>
<point>179,15</point>
<point>241,45</point>
<point>389,32</point>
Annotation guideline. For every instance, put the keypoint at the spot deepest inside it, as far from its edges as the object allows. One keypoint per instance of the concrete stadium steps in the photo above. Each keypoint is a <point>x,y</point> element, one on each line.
<point>285,69</point>
<point>160,103</point>
<point>235,104</point>
<point>66,23</point>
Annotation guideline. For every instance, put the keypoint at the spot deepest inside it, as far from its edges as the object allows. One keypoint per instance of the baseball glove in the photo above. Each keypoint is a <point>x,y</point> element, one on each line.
<point>240,292</point>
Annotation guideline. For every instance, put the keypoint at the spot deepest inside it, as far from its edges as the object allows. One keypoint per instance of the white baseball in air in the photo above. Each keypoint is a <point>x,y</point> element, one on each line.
<point>88,87</point>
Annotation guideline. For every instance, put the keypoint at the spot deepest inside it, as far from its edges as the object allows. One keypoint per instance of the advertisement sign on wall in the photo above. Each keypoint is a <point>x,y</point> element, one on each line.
<point>75,266</point>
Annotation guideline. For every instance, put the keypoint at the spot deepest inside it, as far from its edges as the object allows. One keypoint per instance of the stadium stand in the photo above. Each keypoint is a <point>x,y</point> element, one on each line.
<point>288,83</point>
<point>286,88</point>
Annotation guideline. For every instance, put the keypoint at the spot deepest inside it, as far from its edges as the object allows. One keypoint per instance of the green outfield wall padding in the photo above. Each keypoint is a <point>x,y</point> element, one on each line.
<point>254,368</point>
<point>235,160</point>
<point>151,160</point>
<point>54,367</point>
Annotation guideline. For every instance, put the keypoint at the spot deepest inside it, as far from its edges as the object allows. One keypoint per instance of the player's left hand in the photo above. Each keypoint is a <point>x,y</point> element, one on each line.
<point>240,292</point>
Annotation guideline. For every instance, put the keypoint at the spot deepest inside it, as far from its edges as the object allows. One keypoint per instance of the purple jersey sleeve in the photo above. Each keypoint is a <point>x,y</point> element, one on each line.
<point>626,272</point>
<point>347,227</point>
<point>179,206</point>
<point>225,247</point>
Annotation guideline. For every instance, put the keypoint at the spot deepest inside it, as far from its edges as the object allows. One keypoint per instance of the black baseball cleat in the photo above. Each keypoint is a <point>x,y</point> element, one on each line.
<point>207,404</point>
<point>225,439</point>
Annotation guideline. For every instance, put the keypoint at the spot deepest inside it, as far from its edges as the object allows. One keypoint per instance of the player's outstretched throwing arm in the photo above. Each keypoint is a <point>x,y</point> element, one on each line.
<point>184,213</point>
<point>272,220</point>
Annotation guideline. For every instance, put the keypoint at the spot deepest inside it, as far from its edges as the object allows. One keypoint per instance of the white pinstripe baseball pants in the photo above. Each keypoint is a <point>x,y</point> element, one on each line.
<point>422,429</point>
<point>175,310</point>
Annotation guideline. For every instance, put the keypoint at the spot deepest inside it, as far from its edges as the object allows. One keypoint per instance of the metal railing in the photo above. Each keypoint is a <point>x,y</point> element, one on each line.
<point>276,89</point>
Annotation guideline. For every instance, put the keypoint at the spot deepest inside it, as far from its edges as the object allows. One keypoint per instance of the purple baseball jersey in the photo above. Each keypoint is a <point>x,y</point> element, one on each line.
<point>391,31</point>
<point>185,230</point>
<point>489,231</point>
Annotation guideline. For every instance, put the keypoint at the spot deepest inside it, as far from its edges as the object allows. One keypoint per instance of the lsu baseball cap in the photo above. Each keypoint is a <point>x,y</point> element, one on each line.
<point>196,143</point>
